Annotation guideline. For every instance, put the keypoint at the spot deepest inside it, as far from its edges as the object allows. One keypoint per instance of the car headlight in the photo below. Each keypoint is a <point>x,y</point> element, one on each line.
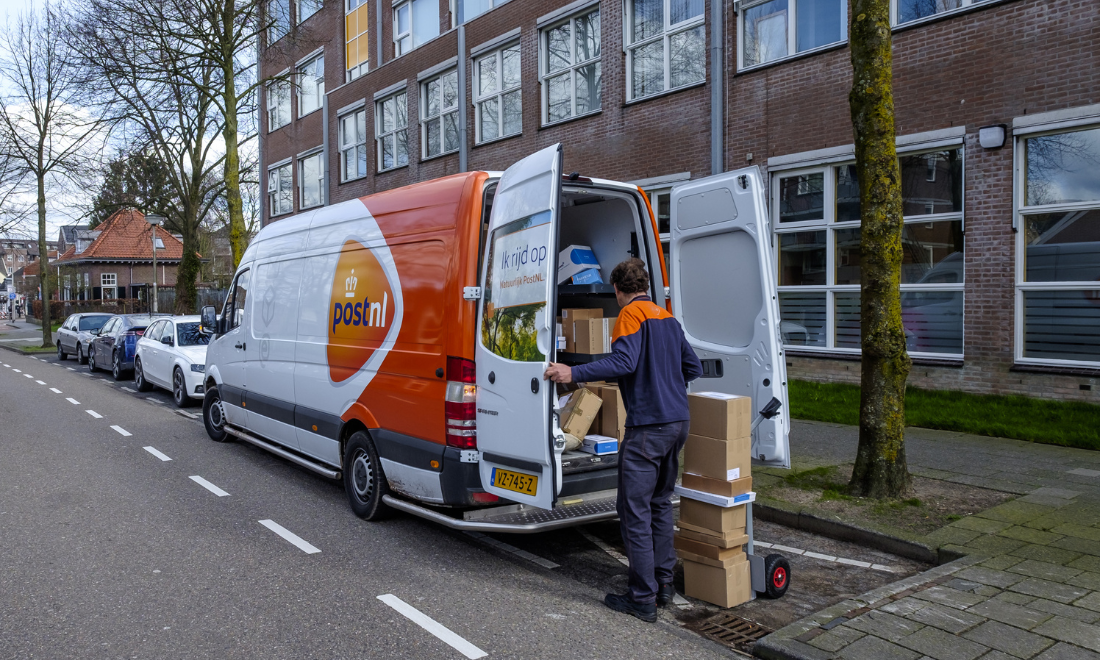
<point>198,368</point>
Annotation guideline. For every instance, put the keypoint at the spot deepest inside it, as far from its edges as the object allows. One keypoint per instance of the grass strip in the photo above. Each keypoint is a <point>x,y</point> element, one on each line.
<point>1066,423</point>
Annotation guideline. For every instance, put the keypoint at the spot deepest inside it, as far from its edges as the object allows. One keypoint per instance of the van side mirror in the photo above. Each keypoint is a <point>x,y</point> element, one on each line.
<point>208,320</point>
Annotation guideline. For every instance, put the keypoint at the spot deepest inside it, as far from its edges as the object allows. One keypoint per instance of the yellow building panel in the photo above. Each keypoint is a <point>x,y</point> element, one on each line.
<point>350,26</point>
<point>364,50</point>
<point>363,18</point>
<point>353,53</point>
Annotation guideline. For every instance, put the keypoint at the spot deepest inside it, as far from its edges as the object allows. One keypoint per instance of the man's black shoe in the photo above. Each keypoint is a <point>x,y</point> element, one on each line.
<point>665,594</point>
<point>624,603</point>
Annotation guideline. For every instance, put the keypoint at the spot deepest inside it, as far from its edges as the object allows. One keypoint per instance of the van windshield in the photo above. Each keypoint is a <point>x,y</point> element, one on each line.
<point>190,335</point>
<point>93,322</point>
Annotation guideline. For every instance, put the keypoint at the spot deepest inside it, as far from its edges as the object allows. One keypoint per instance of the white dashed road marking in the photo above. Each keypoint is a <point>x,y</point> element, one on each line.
<point>289,536</point>
<point>72,401</point>
<point>40,382</point>
<point>154,452</point>
<point>434,627</point>
<point>121,431</point>
<point>94,414</point>
<point>209,486</point>
<point>55,390</point>
<point>70,369</point>
<point>28,376</point>
<point>128,389</point>
<point>17,371</point>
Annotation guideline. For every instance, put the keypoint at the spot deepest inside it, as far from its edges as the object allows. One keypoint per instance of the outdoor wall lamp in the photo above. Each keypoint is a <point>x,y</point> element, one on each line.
<point>992,137</point>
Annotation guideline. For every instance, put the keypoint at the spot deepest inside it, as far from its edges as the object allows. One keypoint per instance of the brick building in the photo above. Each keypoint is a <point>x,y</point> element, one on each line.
<point>998,123</point>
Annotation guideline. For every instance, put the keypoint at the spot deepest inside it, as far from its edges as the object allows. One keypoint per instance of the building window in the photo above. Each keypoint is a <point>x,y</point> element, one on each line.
<point>817,226</point>
<point>280,190</point>
<point>312,80</point>
<point>905,11</point>
<point>1058,249</point>
<point>356,27</point>
<point>109,282</point>
<point>353,145</point>
<point>497,94</point>
<point>666,42</point>
<point>774,29</point>
<point>439,114</point>
<point>391,119</point>
<point>279,15</point>
<point>278,104</point>
<point>414,22</point>
<point>471,9</point>
<point>570,68</point>
<point>307,8</point>
<point>311,177</point>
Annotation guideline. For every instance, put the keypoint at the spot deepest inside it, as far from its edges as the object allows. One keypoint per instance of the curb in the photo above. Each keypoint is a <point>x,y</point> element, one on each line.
<point>22,352</point>
<point>841,531</point>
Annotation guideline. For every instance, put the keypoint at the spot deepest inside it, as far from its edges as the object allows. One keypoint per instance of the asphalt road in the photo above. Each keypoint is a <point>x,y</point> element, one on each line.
<point>107,551</point>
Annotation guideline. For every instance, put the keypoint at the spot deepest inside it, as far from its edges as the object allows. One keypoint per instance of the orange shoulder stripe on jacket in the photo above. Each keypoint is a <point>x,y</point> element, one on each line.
<point>634,314</point>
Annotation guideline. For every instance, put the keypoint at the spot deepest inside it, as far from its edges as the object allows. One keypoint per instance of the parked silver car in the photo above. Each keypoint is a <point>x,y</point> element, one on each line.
<point>76,333</point>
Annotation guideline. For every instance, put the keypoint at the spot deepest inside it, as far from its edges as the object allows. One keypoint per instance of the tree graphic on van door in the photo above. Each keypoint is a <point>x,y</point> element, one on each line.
<point>509,331</point>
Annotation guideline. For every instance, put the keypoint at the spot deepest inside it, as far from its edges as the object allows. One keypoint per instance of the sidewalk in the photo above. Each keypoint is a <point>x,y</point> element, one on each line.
<point>20,333</point>
<point>1028,587</point>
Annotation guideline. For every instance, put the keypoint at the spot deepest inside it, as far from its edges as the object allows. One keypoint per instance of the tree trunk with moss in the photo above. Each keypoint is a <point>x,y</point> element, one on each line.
<point>43,259</point>
<point>188,271</point>
<point>880,469</point>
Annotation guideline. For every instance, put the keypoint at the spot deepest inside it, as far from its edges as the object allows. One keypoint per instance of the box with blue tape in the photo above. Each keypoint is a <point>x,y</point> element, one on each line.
<point>575,259</point>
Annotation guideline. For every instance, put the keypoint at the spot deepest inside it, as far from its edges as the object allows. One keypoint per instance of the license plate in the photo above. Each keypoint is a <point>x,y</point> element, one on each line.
<point>515,481</point>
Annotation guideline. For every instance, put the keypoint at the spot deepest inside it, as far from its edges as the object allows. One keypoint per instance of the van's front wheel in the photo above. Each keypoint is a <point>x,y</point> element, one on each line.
<point>213,415</point>
<point>363,479</point>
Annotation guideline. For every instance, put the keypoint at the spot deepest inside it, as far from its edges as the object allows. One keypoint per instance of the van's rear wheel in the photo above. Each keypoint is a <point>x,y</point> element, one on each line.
<point>363,479</point>
<point>213,415</point>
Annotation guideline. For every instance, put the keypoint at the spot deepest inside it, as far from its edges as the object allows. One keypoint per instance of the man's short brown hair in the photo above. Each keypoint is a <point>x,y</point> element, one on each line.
<point>631,276</point>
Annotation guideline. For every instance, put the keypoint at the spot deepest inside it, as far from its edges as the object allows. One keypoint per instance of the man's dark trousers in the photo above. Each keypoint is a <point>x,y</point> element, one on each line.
<point>648,465</point>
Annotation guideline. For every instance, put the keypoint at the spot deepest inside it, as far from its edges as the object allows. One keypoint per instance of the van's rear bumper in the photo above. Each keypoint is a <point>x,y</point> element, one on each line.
<point>460,481</point>
<point>518,518</point>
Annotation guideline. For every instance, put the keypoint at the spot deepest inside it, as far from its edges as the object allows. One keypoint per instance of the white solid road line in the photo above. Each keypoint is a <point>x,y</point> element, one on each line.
<point>816,555</point>
<point>121,431</point>
<point>289,536</point>
<point>55,390</point>
<point>72,401</point>
<point>94,414</point>
<point>209,486</point>
<point>128,389</point>
<point>70,369</point>
<point>434,627</point>
<point>154,452</point>
<point>605,547</point>
<point>490,541</point>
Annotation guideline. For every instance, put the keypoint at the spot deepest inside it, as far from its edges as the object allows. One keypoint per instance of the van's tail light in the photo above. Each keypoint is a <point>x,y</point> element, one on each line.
<point>460,406</point>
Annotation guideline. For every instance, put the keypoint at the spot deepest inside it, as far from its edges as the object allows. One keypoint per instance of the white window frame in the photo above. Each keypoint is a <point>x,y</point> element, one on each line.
<point>792,33</point>
<point>308,87</point>
<point>425,119</point>
<point>278,96</point>
<point>358,70</point>
<point>282,171</point>
<point>963,6</point>
<point>544,66</point>
<point>303,181</point>
<point>498,95</point>
<point>1020,211</point>
<point>830,226</point>
<point>667,32</point>
<point>108,282</point>
<point>273,31</point>
<point>318,5</point>
<point>398,37</point>
<point>400,99</point>
<point>359,119</point>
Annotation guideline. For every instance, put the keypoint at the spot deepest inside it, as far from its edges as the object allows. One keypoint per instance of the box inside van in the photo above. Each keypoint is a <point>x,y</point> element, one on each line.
<point>398,341</point>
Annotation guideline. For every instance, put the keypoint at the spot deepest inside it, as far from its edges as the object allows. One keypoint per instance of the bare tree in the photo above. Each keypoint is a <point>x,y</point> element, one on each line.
<point>45,122</point>
<point>880,468</point>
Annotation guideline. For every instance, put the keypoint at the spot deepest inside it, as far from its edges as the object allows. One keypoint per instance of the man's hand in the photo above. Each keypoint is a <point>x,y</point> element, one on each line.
<point>559,373</point>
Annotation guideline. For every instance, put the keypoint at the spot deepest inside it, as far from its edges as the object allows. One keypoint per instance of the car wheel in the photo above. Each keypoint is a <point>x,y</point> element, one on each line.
<point>80,359</point>
<point>61,355</point>
<point>364,481</point>
<point>139,377</point>
<point>116,367</point>
<point>91,359</point>
<point>213,415</point>
<point>179,389</point>
<point>777,576</point>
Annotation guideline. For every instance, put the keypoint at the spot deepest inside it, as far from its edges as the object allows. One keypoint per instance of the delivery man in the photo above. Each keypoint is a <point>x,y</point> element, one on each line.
<point>653,363</point>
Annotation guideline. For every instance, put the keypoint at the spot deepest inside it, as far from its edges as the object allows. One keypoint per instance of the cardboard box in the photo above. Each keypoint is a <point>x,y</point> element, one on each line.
<point>578,413</point>
<point>738,555</point>
<point>705,550</point>
<point>593,336</point>
<point>718,459</point>
<point>612,412</point>
<point>569,317</point>
<point>712,519</point>
<point>718,486</point>
<point>600,445</point>
<point>574,259</point>
<point>717,541</point>
<point>725,587</point>
<point>722,416</point>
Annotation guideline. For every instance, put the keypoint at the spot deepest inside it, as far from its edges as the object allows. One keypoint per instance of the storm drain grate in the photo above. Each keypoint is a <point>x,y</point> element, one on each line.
<point>731,630</point>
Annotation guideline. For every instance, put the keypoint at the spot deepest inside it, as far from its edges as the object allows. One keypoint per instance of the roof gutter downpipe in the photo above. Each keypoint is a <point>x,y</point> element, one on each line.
<point>717,82</point>
<point>462,147</point>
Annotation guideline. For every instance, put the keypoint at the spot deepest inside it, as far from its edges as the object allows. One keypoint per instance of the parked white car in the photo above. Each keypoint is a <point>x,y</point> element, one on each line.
<point>172,354</point>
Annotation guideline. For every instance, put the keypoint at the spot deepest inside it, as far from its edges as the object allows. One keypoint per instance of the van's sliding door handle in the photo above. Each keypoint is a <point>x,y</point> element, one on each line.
<point>240,346</point>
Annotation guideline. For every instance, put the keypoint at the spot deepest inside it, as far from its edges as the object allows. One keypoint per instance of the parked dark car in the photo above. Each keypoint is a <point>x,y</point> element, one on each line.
<point>115,344</point>
<point>75,334</point>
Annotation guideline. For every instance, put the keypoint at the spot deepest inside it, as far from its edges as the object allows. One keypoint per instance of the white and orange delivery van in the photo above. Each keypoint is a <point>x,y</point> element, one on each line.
<point>398,341</point>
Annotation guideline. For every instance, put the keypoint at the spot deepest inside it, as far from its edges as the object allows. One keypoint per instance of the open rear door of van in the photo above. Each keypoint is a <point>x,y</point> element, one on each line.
<point>515,334</point>
<point>724,294</point>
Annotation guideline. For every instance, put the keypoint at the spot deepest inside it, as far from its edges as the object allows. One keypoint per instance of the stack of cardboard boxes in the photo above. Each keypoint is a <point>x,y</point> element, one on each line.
<point>717,462</point>
<point>594,419</point>
<point>586,331</point>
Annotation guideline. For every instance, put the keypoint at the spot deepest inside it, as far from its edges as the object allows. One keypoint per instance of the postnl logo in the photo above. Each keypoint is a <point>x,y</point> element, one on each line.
<point>361,310</point>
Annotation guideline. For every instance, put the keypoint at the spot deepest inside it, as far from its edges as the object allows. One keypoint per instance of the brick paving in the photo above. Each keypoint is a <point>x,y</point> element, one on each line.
<point>1027,586</point>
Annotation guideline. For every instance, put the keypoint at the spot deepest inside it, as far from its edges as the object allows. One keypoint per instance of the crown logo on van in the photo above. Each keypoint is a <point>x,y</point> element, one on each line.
<point>361,311</point>
<point>350,284</point>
